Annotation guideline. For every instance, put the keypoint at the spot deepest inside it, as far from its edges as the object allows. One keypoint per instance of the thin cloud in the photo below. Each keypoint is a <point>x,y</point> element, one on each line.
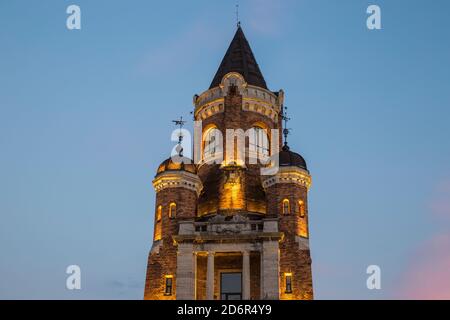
<point>428,276</point>
<point>428,273</point>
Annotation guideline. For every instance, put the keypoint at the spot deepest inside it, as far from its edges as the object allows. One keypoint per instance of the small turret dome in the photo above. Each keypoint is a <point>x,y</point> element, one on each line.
<point>290,158</point>
<point>177,163</point>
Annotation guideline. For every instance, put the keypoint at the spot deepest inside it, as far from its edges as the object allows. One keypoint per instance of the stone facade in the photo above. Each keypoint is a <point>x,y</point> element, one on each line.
<point>216,219</point>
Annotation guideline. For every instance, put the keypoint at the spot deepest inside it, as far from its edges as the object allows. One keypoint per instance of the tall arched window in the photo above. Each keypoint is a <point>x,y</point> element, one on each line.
<point>301,208</point>
<point>159,214</point>
<point>259,142</point>
<point>286,206</point>
<point>211,143</point>
<point>172,210</point>
<point>302,221</point>
<point>158,232</point>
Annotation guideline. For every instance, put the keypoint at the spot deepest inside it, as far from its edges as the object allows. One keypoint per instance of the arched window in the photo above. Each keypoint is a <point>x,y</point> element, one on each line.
<point>159,214</point>
<point>301,208</point>
<point>158,232</point>
<point>302,221</point>
<point>288,284</point>
<point>172,210</point>
<point>259,142</point>
<point>286,206</point>
<point>210,143</point>
<point>168,285</point>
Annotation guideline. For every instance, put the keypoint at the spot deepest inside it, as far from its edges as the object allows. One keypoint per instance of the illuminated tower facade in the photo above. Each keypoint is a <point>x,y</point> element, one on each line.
<point>234,223</point>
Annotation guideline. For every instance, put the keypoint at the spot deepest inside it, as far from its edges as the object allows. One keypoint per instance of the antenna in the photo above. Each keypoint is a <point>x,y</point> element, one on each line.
<point>286,130</point>
<point>180,122</point>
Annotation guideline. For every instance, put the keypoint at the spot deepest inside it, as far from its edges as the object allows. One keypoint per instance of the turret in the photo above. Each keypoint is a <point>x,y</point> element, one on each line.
<point>287,199</point>
<point>177,188</point>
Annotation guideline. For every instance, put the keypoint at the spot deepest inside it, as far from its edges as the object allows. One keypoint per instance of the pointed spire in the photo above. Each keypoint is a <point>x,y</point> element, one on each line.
<point>239,58</point>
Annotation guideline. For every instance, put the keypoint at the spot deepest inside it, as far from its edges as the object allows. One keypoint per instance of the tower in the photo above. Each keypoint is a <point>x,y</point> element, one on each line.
<point>234,224</point>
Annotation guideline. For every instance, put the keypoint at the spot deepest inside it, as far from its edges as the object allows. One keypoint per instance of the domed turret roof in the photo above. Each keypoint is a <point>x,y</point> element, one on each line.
<point>290,158</point>
<point>177,163</point>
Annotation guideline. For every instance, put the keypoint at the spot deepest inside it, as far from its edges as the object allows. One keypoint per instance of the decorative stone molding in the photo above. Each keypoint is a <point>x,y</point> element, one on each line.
<point>210,109</point>
<point>288,175</point>
<point>218,228</point>
<point>178,179</point>
<point>261,107</point>
<point>255,99</point>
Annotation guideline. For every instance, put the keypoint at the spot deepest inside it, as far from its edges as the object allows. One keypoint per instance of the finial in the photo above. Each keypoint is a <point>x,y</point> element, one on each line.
<point>180,123</point>
<point>238,23</point>
<point>286,130</point>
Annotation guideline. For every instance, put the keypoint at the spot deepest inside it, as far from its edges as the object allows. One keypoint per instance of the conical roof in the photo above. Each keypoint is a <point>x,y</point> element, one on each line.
<point>239,58</point>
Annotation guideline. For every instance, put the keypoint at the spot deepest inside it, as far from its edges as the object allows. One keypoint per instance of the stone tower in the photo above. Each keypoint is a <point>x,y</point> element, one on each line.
<point>234,225</point>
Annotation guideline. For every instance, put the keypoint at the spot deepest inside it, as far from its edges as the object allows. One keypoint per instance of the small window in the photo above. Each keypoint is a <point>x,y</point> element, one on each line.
<point>173,210</point>
<point>286,206</point>
<point>159,214</point>
<point>169,285</point>
<point>288,277</point>
<point>301,208</point>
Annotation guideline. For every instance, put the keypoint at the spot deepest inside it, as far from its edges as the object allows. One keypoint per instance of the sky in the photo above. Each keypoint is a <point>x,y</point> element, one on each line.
<point>86,119</point>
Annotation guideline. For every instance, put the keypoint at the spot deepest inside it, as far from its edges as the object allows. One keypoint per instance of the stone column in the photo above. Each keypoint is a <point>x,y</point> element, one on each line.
<point>245,275</point>
<point>185,278</point>
<point>270,270</point>
<point>261,275</point>
<point>210,277</point>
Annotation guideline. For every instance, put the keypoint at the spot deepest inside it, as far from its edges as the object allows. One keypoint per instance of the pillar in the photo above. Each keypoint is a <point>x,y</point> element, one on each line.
<point>210,277</point>
<point>271,270</point>
<point>185,277</point>
<point>245,275</point>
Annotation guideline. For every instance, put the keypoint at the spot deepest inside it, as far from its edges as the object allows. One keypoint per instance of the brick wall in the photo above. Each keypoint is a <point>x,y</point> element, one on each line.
<point>293,258</point>
<point>164,262</point>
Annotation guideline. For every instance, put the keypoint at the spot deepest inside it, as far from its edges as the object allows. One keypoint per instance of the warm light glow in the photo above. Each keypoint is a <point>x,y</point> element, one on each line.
<point>301,208</point>
<point>172,210</point>
<point>158,229</point>
<point>288,282</point>
<point>159,214</point>
<point>233,196</point>
<point>168,285</point>
<point>286,207</point>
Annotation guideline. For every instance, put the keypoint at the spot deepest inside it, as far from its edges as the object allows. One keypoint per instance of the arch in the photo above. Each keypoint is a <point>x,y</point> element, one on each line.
<point>173,210</point>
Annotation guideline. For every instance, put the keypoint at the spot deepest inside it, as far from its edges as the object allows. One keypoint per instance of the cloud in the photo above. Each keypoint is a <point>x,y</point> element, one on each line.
<point>428,275</point>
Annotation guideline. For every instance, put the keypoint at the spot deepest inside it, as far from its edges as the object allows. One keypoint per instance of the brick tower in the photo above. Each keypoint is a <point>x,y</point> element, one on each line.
<point>234,225</point>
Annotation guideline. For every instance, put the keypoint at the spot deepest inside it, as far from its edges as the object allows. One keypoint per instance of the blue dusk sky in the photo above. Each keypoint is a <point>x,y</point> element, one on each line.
<point>85,119</point>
